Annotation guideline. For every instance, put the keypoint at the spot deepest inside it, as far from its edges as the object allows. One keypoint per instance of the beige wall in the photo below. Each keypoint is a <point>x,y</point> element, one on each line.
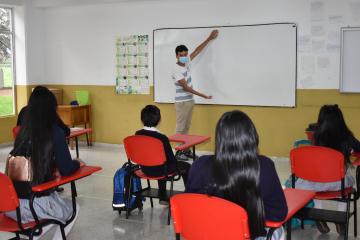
<point>116,116</point>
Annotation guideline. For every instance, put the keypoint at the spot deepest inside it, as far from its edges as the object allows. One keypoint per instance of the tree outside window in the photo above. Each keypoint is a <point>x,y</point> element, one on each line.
<point>6,63</point>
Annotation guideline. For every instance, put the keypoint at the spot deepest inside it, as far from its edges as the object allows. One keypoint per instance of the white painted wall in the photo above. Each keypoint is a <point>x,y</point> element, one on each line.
<point>35,42</point>
<point>79,40</point>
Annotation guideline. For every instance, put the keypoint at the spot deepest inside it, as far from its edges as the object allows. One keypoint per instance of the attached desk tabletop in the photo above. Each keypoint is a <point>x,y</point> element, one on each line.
<point>296,199</point>
<point>187,141</point>
<point>75,134</point>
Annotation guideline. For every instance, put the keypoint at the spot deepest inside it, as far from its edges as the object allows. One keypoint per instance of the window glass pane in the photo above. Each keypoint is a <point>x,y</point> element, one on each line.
<point>6,65</point>
<point>5,19</point>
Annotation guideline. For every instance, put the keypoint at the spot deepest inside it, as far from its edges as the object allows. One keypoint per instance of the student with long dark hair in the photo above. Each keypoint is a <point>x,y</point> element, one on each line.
<point>239,174</point>
<point>43,143</point>
<point>331,131</point>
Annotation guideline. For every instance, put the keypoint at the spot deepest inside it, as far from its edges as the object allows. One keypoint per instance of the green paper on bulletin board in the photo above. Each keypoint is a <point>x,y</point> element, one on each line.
<point>82,97</point>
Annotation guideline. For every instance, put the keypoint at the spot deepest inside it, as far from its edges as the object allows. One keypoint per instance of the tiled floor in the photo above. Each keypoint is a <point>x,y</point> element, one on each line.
<point>97,220</point>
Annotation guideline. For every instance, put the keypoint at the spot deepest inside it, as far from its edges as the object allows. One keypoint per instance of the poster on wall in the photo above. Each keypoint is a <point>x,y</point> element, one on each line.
<point>132,68</point>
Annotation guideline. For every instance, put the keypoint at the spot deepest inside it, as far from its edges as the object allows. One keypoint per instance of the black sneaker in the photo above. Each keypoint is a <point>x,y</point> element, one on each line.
<point>322,227</point>
<point>181,156</point>
<point>340,228</point>
<point>190,154</point>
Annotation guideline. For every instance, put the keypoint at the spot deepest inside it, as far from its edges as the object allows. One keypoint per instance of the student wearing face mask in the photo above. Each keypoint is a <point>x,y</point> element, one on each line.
<point>184,100</point>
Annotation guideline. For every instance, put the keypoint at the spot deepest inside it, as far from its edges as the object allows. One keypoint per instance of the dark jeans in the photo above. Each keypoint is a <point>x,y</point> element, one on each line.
<point>182,166</point>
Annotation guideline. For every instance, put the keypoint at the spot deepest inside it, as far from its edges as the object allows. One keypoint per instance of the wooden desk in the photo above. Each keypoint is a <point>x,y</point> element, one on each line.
<point>188,141</point>
<point>76,115</point>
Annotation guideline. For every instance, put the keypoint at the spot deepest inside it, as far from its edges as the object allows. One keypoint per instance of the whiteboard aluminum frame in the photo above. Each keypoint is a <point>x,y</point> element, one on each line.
<point>342,31</point>
<point>223,26</point>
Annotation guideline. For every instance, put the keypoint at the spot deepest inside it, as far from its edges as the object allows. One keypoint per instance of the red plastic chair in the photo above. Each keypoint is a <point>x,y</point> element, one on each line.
<point>322,164</point>
<point>201,217</point>
<point>10,202</point>
<point>16,131</point>
<point>147,151</point>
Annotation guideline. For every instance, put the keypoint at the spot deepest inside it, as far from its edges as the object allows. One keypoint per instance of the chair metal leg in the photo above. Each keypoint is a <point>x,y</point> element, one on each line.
<point>31,236</point>
<point>270,233</point>
<point>288,230</point>
<point>171,193</point>
<point>347,218</point>
<point>355,216</point>
<point>151,199</point>
<point>62,232</point>
<point>177,236</point>
<point>302,224</point>
<point>127,204</point>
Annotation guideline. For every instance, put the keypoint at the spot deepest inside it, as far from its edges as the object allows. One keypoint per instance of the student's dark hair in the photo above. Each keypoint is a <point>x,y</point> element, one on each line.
<point>150,116</point>
<point>236,167</point>
<point>181,48</point>
<point>332,131</point>
<point>36,133</point>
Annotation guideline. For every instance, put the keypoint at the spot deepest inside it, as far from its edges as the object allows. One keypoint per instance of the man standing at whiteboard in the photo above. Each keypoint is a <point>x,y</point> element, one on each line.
<point>184,99</point>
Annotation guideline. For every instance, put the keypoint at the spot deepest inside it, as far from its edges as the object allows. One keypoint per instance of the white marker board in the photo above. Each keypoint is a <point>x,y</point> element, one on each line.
<point>350,60</point>
<point>251,65</point>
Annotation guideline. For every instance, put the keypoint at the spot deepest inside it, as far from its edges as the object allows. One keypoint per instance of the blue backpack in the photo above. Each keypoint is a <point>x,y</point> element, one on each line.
<point>121,188</point>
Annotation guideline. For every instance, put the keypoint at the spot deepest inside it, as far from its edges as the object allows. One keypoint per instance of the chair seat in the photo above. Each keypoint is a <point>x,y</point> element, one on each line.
<point>333,194</point>
<point>9,225</point>
<point>142,175</point>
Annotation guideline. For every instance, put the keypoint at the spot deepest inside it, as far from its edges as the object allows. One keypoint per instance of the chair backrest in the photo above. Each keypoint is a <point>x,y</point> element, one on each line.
<point>145,150</point>
<point>16,131</point>
<point>200,217</point>
<point>9,199</point>
<point>317,164</point>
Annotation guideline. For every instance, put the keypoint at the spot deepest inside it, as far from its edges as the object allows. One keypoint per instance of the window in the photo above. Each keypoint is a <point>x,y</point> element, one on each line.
<point>6,62</point>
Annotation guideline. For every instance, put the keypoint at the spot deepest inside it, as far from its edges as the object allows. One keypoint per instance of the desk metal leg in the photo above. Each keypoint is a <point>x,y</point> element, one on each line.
<point>77,147</point>
<point>288,229</point>
<point>194,155</point>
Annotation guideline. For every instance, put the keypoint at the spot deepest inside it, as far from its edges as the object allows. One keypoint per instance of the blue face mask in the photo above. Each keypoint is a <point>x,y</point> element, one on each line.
<point>183,60</point>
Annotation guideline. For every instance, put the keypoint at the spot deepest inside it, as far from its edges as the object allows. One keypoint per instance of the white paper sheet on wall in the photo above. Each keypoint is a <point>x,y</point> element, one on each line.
<point>304,43</point>
<point>307,81</point>
<point>317,30</point>
<point>317,11</point>
<point>308,64</point>
<point>336,19</point>
<point>323,62</point>
<point>318,46</point>
<point>355,10</point>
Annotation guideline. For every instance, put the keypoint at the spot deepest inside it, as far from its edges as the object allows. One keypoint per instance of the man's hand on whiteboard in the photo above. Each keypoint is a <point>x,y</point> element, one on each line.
<point>208,97</point>
<point>213,35</point>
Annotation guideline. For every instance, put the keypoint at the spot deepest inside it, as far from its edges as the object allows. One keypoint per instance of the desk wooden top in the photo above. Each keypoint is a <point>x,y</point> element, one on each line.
<point>72,106</point>
<point>187,140</point>
<point>295,200</point>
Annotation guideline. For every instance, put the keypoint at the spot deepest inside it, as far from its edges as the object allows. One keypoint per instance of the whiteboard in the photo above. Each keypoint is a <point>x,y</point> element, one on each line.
<point>350,60</point>
<point>251,65</point>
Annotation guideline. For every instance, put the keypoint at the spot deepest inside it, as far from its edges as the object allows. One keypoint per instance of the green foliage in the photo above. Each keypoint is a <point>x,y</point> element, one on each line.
<point>6,106</point>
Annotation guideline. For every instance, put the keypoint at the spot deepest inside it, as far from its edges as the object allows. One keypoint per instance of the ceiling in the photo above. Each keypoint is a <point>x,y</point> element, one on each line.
<point>59,3</point>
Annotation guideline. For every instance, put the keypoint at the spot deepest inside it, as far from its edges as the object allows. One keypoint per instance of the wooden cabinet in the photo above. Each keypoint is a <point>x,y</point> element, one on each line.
<point>75,116</point>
